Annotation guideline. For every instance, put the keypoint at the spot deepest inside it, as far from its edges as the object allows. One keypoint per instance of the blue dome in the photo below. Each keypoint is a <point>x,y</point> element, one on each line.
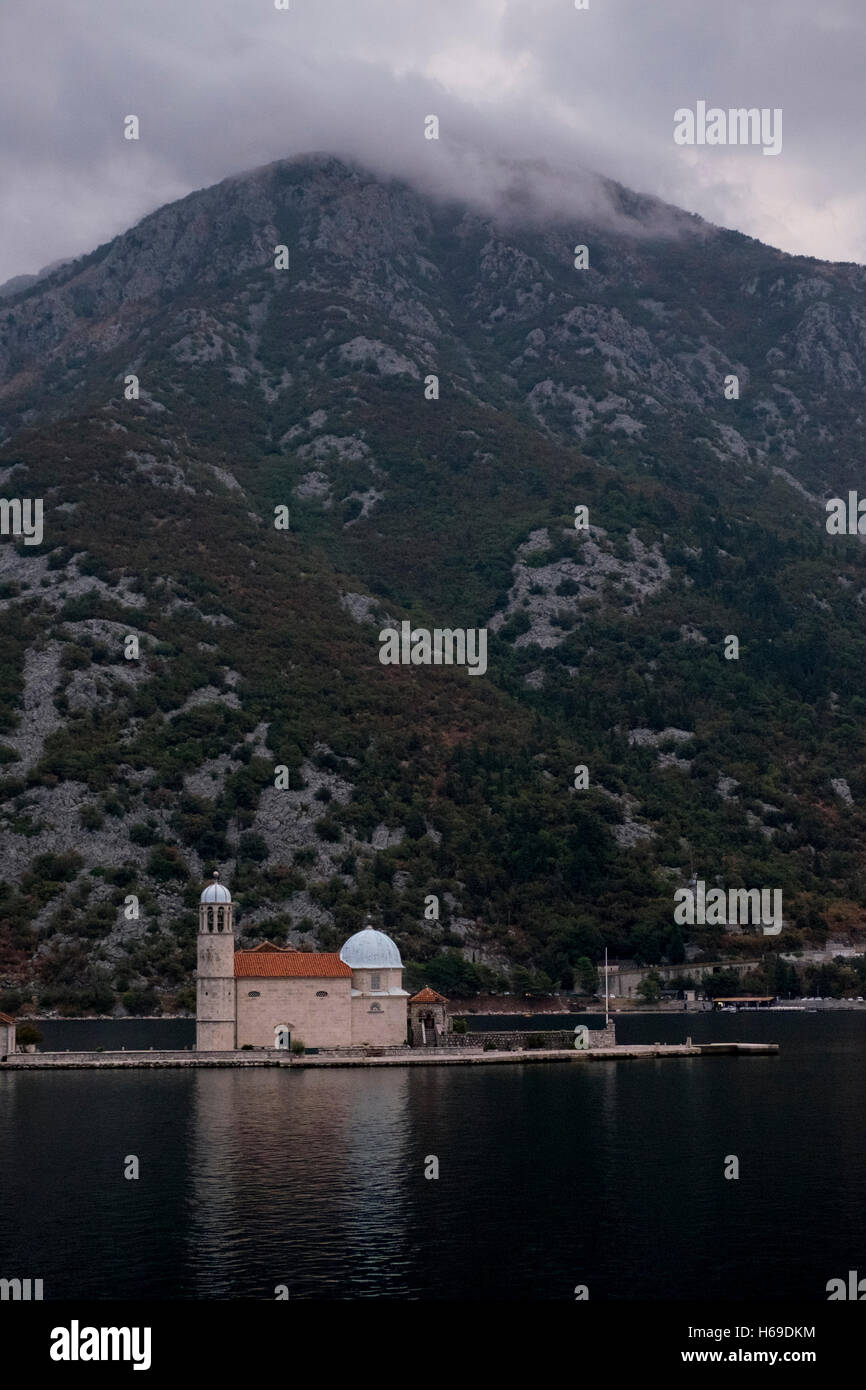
<point>371,950</point>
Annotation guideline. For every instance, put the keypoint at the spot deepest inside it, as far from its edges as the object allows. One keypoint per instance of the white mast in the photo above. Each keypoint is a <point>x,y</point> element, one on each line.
<point>606,1015</point>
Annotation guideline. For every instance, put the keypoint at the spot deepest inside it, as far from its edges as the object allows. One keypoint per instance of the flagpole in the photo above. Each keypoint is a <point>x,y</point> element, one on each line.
<point>606,1015</point>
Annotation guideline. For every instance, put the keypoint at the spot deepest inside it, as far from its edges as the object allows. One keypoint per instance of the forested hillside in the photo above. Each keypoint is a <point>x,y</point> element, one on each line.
<point>450,504</point>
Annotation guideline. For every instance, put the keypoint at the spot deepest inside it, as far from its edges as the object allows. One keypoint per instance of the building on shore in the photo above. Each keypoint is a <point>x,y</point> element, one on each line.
<point>7,1036</point>
<point>272,995</point>
<point>429,1020</point>
<point>626,977</point>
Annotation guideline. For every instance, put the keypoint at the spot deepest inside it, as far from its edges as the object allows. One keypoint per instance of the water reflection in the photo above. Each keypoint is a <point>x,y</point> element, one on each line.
<point>608,1174</point>
<point>292,1171</point>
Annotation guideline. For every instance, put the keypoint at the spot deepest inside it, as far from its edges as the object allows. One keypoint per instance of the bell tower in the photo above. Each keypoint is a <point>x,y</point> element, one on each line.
<point>215,1010</point>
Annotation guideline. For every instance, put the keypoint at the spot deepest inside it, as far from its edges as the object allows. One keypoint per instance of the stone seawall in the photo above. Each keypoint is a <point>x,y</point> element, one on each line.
<point>549,1040</point>
<point>407,1056</point>
<point>511,1040</point>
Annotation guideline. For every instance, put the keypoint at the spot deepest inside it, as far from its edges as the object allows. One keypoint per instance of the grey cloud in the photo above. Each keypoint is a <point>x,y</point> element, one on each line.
<point>221,86</point>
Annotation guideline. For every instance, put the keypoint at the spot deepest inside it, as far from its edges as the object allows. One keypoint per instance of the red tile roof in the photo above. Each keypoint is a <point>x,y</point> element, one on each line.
<point>428,996</point>
<point>4,1018</point>
<point>303,965</point>
<point>264,946</point>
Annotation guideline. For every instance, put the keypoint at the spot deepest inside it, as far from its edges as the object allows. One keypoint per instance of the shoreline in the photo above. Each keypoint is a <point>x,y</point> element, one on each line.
<point>64,1061</point>
<point>664,1011</point>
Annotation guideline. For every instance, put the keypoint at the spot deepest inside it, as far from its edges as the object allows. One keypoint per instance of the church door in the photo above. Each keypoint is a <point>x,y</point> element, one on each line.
<point>282,1037</point>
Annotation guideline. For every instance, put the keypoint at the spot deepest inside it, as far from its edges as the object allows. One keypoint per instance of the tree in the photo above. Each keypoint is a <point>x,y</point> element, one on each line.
<point>451,975</point>
<point>521,980</point>
<point>166,863</point>
<point>646,946</point>
<point>650,987</point>
<point>27,1035</point>
<point>722,983</point>
<point>586,975</point>
<point>253,846</point>
<point>676,947</point>
<point>416,826</point>
<point>540,983</point>
<point>140,1001</point>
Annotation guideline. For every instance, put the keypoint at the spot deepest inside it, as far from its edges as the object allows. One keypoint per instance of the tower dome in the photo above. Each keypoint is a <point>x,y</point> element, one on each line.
<point>371,950</point>
<point>216,892</point>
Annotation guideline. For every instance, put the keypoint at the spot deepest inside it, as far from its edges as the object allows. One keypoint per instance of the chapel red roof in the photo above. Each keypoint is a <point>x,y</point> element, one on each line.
<point>428,996</point>
<point>4,1018</point>
<point>279,964</point>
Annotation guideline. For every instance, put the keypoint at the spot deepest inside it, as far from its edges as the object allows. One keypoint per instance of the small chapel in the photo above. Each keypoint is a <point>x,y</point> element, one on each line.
<point>270,995</point>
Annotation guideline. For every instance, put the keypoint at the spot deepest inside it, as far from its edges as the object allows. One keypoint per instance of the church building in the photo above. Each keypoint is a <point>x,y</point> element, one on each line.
<point>272,995</point>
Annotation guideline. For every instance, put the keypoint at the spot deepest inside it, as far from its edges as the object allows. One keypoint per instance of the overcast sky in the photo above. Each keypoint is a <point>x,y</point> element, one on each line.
<point>221,86</point>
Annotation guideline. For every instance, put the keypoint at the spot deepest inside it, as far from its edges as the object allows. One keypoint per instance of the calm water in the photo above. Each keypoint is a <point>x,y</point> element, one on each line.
<point>605,1174</point>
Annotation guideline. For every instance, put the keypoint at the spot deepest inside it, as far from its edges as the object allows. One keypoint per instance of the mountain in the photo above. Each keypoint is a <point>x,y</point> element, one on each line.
<point>23,282</point>
<point>126,778</point>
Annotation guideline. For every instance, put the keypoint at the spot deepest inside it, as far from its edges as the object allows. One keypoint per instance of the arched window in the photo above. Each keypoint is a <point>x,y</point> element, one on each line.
<point>210,919</point>
<point>221,912</point>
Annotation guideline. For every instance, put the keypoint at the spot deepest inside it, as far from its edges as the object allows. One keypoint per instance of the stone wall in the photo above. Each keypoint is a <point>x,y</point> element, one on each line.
<point>516,1041</point>
<point>317,1012</point>
<point>507,1040</point>
<point>378,1018</point>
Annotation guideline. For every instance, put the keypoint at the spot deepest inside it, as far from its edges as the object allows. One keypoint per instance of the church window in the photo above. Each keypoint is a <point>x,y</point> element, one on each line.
<point>375,982</point>
<point>254,994</point>
<point>210,919</point>
<point>220,918</point>
<point>321,994</point>
<point>375,1009</point>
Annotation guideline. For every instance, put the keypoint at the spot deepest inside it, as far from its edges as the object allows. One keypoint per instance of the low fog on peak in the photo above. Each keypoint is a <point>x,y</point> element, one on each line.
<point>539,104</point>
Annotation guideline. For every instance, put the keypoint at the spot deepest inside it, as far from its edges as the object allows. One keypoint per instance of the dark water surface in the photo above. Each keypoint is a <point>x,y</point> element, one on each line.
<point>605,1174</point>
<point>134,1034</point>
